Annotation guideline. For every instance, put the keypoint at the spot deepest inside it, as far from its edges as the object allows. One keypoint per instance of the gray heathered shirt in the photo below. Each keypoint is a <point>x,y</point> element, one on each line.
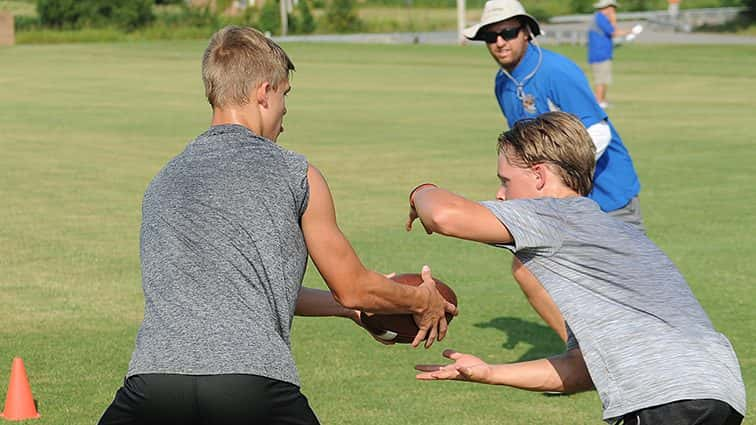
<point>223,258</point>
<point>645,338</point>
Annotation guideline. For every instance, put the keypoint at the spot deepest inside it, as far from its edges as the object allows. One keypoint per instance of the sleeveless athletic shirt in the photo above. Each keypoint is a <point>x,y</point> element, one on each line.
<point>223,257</point>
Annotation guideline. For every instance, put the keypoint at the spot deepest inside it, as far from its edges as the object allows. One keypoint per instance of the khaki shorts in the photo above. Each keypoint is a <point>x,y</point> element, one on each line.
<point>602,72</point>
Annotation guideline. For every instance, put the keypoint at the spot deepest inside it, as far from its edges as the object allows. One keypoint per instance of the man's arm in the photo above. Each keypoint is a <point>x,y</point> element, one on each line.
<point>601,135</point>
<point>318,302</point>
<point>571,92</point>
<point>620,32</point>
<point>565,373</point>
<point>444,212</point>
<point>354,286</point>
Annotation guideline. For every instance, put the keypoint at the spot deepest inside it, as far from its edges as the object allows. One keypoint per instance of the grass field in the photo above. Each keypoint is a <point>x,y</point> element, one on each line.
<point>83,128</point>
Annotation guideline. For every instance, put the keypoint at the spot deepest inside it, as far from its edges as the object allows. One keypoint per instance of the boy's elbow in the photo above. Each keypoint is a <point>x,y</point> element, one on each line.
<point>355,293</point>
<point>347,299</point>
<point>444,222</point>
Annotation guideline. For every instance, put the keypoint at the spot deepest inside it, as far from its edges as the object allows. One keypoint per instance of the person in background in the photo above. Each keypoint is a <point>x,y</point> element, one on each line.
<point>531,81</point>
<point>601,33</point>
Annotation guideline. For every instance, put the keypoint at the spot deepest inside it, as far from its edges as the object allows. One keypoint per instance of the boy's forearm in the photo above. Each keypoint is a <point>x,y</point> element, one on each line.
<point>564,373</point>
<point>318,302</point>
<point>449,214</point>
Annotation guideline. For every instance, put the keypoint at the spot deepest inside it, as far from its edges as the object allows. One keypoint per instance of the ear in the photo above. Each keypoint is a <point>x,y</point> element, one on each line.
<point>541,174</point>
<point>261,94</point>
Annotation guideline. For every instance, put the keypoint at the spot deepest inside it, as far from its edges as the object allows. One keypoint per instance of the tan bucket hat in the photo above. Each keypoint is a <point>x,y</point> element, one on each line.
<point>500,10</point>
<point>605,3</point>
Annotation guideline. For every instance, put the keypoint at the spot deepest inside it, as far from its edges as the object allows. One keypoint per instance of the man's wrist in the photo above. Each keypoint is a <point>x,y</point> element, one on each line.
<point>424,301</point>
<point>417,188</point>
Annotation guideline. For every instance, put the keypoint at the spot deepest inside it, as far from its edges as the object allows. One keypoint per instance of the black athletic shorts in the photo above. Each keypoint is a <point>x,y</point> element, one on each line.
<point>208,399</point>
<point>686,412</point>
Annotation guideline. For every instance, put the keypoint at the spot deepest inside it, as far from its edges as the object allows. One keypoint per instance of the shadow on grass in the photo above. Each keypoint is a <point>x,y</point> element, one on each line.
<point>543,341</point>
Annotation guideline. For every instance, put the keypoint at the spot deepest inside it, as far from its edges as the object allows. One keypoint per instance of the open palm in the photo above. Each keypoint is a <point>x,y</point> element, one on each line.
<point>466,367</point>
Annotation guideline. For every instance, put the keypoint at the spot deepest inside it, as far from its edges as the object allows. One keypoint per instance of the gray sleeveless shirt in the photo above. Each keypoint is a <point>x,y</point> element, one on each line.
<point>223,257</point>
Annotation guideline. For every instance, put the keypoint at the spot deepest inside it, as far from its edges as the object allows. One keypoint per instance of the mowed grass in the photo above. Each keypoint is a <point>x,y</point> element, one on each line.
<point>83,128</point>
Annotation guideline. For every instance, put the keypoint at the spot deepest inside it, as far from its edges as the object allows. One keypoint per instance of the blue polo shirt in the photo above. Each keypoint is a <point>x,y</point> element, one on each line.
<point>560,85</point>
<point>600,47</point>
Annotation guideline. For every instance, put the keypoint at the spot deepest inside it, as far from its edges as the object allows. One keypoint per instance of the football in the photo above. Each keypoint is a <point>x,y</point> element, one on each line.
<point>401,328</point>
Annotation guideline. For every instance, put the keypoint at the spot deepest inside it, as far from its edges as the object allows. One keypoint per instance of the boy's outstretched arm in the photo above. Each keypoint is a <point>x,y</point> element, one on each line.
<point>444,212</point>
<point>353,285</point>
<point>565,373</point>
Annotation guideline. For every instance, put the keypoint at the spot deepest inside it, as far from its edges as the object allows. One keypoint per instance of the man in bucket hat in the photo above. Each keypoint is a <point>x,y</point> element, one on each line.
<point>532,81</point>
<point>600,45</point>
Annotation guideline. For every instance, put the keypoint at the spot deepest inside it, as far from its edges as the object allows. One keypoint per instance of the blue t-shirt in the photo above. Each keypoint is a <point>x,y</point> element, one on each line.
<point>600,34</point>
<point>560,85</point>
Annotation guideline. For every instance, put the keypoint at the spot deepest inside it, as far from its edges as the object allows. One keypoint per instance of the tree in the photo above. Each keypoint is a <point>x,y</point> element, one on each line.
<point>750,6</point>
<point>341,16</point>
<point>307,22</point>
<point>127,14</point>
<point>269,18</point>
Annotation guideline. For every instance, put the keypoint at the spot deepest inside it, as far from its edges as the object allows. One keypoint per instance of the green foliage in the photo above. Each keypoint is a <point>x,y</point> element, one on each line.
<point>541,14</point>
<point>636,5</point>
<point>470,4</point>
<point>301,20</point>
<point>190,17</point>
<point>307,24</point>
<point>74,14</point>
<point>293,23</point>
<point>582,6</point>
<point>25,23</point>
<point>750,6</point>
<point>341,16</point>
<point>223,5</point>
<point>270,18</point>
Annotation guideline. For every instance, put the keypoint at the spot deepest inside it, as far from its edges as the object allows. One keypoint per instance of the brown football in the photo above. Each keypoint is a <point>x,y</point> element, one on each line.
<point>401,328</point>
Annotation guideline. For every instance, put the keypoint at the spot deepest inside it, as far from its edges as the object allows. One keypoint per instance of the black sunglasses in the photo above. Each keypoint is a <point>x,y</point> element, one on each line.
<point>506,34</point>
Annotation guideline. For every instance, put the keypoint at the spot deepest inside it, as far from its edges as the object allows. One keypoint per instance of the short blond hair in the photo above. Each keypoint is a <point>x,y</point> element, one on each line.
<point>557,139</point>
<point>237,60</point>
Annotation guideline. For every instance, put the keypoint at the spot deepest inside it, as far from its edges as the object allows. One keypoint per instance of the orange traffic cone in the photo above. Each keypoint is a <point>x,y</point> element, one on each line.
<point>19,403</point>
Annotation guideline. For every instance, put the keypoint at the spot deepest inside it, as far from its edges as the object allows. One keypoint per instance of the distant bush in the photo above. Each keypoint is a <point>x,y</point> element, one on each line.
<point>581,6</point>
<point>750,11</point>
<point>470,4</point>
<point>25,23</point>
<point>637,5</point>
<point>269,19</point>
<point>190,17</point>
<point>541,15</point>
<point>341,16</point>
<point>293,24</point>
<point>75,14</point>
<point>307,22</point>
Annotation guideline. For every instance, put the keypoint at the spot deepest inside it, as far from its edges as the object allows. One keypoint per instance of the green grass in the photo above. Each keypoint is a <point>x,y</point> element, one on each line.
<point>83,128</point>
